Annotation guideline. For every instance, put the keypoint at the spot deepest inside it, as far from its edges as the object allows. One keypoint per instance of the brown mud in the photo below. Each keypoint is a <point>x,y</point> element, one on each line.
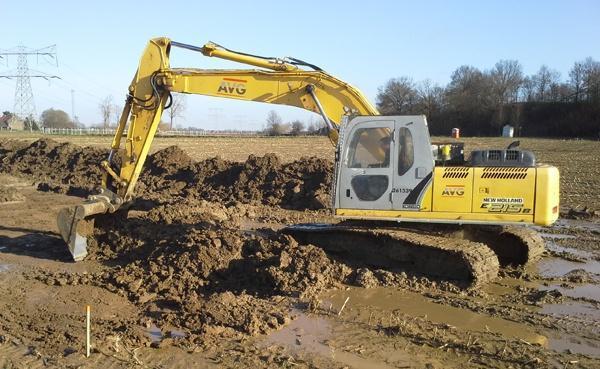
<point>196,274</point>
<point>170,174</point>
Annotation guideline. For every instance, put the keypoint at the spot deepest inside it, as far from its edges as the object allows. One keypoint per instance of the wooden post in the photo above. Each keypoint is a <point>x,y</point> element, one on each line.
<point>87,331</point>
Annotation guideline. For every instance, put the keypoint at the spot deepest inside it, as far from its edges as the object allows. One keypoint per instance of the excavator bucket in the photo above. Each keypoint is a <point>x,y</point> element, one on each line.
<point>74,228</point>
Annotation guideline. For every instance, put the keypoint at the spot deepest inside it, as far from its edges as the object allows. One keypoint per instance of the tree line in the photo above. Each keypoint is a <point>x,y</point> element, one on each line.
<point>109,112</point>
<point>276,127</point>
<point>480,102</point>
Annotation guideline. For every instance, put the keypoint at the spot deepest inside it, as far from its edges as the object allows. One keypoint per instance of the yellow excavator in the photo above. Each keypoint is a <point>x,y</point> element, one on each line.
<point>387,172</point>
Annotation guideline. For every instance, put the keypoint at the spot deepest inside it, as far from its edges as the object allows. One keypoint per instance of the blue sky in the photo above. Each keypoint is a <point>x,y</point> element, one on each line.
<point>364,43</point>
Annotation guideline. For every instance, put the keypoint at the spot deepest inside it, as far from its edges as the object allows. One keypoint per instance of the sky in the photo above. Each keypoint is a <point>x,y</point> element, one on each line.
<point>99,43</point>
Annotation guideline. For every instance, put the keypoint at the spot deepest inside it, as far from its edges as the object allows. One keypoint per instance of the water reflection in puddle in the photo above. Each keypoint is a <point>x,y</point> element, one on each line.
<point>555,267</point>
<point>553,246</point>
<point>416,305</point>
<point>573,309</point>
<point>308,333</point>
<point>311,333</point>
<point>588,291</point>
<point>574,345</point>
<point>156,335</point>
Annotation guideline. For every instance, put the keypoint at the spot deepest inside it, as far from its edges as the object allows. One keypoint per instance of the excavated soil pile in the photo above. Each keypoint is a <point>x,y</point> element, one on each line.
<point>203,276</point>
<point>57,167</point>
<point>302,184</point>
<point>170,174</point>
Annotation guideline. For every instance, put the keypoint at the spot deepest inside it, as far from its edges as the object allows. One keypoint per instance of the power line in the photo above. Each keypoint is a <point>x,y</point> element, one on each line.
<point>88,79</point>
<point>24,105</point>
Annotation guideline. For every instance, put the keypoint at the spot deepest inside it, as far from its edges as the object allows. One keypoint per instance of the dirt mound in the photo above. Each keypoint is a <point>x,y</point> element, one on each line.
<point>170,174</point>
<point>265,180</point>
<point>202,274</point>
<point>59,167</point>
<point>168,161</point>
<point>10,194</point>
<point>178,253</point>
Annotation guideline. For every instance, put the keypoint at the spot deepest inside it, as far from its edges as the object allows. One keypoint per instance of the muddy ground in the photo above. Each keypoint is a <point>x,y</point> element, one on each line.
<point>196,274</point>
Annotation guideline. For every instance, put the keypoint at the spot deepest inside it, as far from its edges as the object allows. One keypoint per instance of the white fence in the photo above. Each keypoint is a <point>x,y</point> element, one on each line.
<point>111,132</point>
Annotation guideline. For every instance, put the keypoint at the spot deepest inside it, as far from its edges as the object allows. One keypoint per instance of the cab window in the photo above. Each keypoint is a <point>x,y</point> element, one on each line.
<point>406,151</point>
<point>370,148</point>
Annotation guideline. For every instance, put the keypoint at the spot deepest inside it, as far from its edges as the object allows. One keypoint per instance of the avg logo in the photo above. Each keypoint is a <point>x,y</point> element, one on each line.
<point>232,86</point>
<point>454,191</point>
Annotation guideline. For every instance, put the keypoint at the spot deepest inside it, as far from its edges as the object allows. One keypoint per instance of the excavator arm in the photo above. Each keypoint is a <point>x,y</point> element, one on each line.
<point>281,81</point>
<point>283,84</point>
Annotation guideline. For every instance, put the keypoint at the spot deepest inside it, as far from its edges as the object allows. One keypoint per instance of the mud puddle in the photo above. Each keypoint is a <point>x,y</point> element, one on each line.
<point>308,333</point>
<point>573,309</point>
<point>588,291</point>
<point>557,267</point>
<point>574,344</point>
<point>364,301</point>
<point>567,259</point>
<point>156,334</point>
<point>313,335</point>
<point>565,224</point>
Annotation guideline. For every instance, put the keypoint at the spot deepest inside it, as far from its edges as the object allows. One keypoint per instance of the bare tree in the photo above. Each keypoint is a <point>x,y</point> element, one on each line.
<point>117,110</point>
<point>275,126</point>
<point>398,96</point>
<point>430,98</point>
<point>506,78</point>
<point>469,89</point>
<point>528,89</point>
<point>316,127</point>
<point>178,105</point>
<point>543,80</point>
<point>504,82</point>
<point>577,79</point>
<point>297,127</point>
<point>592,79</point>
<point>106,107</point>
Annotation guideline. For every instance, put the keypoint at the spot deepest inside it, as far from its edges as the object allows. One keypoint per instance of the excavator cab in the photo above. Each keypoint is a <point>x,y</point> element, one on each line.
<point>385,163</point>
<point>387,171</point>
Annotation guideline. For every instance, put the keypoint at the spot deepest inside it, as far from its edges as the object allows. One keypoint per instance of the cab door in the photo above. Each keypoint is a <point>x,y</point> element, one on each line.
<point>366,166</point>
<point>414,163</point>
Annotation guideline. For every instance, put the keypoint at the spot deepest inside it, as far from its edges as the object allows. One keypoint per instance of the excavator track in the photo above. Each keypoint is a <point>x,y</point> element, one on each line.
<point>455,259</point>
<point>514,245</point>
